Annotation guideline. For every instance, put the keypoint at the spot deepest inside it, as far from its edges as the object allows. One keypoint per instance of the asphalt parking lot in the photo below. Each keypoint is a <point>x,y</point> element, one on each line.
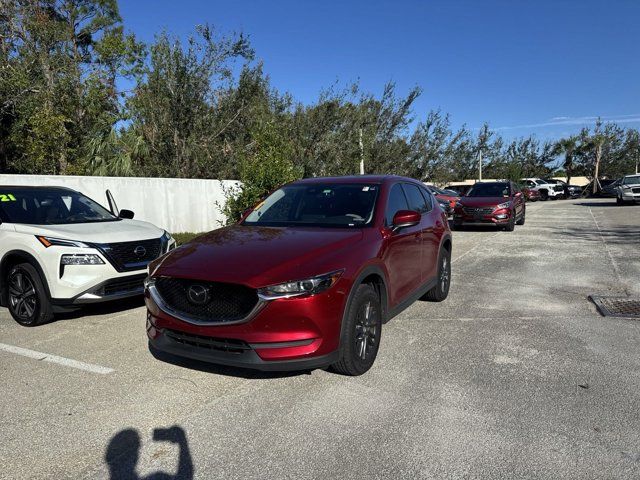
<point>515,375</point>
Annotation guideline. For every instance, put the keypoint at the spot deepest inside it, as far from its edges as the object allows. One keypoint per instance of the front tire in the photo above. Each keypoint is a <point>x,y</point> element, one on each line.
<point>441,290</point>
<point>511,226</point>
<point>28,301</point>
<point>361,333</point>
<point>522,218</point>
<point>544,195</point>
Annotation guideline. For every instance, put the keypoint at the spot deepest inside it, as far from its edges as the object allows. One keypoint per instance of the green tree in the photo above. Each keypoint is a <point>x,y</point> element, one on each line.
<point>265,165</point>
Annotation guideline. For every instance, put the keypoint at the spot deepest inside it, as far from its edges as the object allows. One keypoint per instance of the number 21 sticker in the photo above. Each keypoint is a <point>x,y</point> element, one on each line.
<point>7,197</point>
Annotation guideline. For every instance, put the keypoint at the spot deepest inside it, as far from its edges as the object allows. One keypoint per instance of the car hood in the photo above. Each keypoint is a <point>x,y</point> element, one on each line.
<point>256,256</point>
<point>96,232</point>
<point>483,201</point>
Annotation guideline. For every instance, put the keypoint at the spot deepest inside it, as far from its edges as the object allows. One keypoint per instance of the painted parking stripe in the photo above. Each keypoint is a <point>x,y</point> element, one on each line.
<point>45,357</point>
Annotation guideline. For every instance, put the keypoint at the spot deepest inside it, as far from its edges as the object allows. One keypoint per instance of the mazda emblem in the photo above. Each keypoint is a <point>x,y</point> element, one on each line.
<point>198,294</point>
<point>140,251</point>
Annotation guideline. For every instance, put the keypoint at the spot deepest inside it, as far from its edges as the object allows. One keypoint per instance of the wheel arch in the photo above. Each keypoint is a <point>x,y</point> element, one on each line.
<point>372,275</point>
<point>14,257</point>
<point>447,243</point>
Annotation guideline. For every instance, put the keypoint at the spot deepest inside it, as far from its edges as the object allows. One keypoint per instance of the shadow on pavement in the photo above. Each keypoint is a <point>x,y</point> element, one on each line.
<point>627,236</point>
<point>599,204</point>
<point>222,369</point>
<point>123,452</point>
<point>106,308</point>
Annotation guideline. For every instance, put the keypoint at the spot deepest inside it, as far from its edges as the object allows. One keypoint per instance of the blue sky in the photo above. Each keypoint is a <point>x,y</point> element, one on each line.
<point>546,67</point>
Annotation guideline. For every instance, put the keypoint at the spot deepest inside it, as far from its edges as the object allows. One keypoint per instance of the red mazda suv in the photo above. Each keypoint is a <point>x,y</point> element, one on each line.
<point>492,203</point>
<point>306,279</point>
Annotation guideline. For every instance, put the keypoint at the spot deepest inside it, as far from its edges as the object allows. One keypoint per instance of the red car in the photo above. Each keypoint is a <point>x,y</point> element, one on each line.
<point>531,195</point>
<point>447,196</point>
<point>494,203</point>
<point>306,279</point>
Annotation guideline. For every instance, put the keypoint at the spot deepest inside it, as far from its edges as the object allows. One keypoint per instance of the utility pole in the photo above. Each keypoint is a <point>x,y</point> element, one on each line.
<point>480,164</point>
<point>361,154</point>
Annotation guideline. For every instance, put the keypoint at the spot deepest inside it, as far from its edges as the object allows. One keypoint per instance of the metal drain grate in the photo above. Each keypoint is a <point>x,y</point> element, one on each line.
<point>617,306</point>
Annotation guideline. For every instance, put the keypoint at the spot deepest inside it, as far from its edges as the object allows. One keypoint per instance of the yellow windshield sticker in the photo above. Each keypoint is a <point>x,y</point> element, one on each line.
<point>7,197</point>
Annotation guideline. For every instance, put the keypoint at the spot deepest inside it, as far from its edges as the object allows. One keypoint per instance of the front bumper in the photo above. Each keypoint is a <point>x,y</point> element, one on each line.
<point>285,334</point>
<point>630,195</point>
<point>495,218</point>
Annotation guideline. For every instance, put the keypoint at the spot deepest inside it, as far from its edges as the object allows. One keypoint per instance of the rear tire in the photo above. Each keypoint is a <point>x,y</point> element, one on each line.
<point>28,302</point>
<point>441,290</point>
<point>361,333</point>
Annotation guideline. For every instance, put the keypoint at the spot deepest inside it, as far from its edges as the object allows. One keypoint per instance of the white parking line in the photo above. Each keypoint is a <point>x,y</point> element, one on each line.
<point>45,357</point>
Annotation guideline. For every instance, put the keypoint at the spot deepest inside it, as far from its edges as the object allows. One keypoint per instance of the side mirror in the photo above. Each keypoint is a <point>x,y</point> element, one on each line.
<point>128,214</point>
<point>405,218</point>
<point>518,194</point>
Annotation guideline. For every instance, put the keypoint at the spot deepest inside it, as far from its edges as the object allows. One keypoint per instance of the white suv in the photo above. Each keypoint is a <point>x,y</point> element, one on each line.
<point>547,190</point>
<point>59,249</point>
<point>628,190</point>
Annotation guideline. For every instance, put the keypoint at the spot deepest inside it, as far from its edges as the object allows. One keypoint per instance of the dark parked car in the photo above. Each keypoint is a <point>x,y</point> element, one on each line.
<point>306,279</point>
<point>459,189</point>
<point>610,187</point>
<point>492,203</point>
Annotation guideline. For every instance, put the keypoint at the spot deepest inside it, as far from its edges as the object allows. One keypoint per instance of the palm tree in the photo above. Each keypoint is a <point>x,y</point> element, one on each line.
<point>568,147</point>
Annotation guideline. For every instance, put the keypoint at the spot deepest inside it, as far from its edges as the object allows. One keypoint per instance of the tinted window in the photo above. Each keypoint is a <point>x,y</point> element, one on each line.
<point>317,205</point>
<point>428,197</point>
<point>416,200</point>
<point>397,201</point>
<point>49,206</point>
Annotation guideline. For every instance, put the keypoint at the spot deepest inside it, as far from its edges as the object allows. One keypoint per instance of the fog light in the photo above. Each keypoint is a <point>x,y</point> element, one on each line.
<point>502,216</point>
<point>81,259</point>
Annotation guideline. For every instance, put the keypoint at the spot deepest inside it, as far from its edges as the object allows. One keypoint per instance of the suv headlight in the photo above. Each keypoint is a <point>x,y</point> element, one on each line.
<point>81,259</point>
<point>309,286</point>
<point>504,205</point>
<point>50,242</point>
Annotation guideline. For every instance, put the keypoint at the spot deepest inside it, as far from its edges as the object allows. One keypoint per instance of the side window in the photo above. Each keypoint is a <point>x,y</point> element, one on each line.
<point>397,201</point>
<point>416,200</point>
<point>429,198</point>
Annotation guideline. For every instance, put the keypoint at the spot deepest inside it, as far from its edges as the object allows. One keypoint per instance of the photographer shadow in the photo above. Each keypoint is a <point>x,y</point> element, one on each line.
<point>123,452</point>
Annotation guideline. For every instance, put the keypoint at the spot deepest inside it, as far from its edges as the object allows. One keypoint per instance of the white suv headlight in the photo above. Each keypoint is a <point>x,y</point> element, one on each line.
<point>81,259</point>
<point>309,286</point>
<point>504,205</point>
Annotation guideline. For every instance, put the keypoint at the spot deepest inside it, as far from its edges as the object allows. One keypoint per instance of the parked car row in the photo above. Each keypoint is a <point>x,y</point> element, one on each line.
<point>306,279</point>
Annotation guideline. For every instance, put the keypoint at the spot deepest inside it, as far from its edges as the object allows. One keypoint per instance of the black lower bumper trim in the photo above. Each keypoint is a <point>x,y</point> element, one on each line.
<point>244,357</point>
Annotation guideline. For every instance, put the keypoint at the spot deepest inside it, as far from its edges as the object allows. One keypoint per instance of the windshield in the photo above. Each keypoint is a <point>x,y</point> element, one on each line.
<point>489,190</point>
<point>317,205</point>
<point>634,180</point>
<point>49,206</point>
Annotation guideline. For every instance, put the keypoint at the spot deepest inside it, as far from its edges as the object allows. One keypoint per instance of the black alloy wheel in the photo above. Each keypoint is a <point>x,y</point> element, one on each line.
<point>441,290</point>
<point>27,301</point>
<point>361,332</point>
